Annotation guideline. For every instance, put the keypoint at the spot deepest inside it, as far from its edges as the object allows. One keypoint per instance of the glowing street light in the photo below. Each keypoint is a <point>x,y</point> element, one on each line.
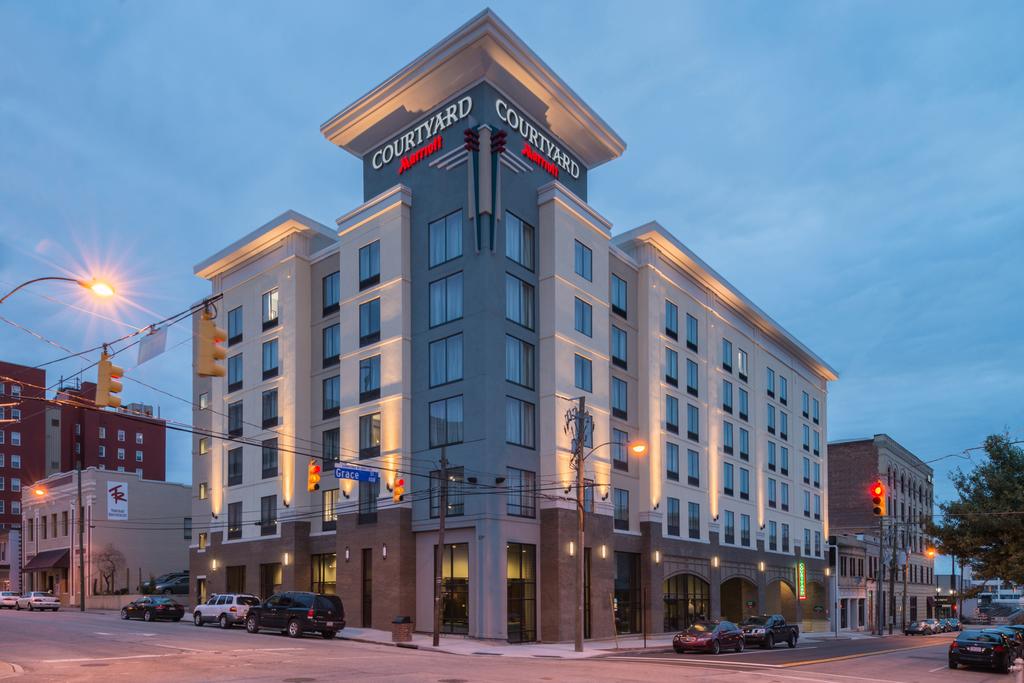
<point>39,491</point>
<point>97,287</point>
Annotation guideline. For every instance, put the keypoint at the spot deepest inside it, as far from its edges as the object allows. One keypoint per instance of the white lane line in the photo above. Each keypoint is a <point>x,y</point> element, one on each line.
<point>179,647</point>
<point>100,659</point>
<point>938,668</point>
<point>102,633</point>
<point>700,662</point>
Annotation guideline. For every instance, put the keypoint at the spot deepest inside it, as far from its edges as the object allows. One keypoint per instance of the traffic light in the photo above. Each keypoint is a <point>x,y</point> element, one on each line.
<point>498,142</point>
<point>472,138</point>
<point>878,499</point>
<point>313,477</point>
<point>107,382</point>
<point>399,491</point>
<point>210,349</point>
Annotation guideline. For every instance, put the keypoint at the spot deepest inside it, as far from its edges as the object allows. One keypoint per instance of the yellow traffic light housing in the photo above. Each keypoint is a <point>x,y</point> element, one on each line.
<point>313,476</point>
<point>878,499</point>
<point>210,338</point>
<point>399,491</point>
<point>107,382</point>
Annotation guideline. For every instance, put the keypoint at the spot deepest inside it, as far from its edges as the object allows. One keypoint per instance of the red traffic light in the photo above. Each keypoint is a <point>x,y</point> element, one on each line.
<point>877,489</point>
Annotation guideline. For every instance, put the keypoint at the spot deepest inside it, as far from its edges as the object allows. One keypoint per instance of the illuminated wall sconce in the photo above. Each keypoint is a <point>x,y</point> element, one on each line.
<point>604,494</point>
<point>213,565</point>
<point>384,551</point>
<point>714,561</point>
<point>346,554</point>
<point>344,493</point>
<point>760,566</point>
<point>604,552</point>
<point>389,486</point>
<point>498,481</point>
<point>828,571</point>
<point>715,518</point>
<point>568,488</point>
<point>572,548</point>
<point>657,505</point>
<point>657,557</point>
<point>286,559</point>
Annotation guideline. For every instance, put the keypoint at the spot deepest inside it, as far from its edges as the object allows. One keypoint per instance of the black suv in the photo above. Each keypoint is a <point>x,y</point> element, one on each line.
<point>296,613</point>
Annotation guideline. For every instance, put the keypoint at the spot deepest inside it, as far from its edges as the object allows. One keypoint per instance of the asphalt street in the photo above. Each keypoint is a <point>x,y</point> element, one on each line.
<point>71,646</point>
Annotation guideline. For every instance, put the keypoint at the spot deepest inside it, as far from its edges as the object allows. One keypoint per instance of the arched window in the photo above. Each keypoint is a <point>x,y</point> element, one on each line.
<point>687,599</point>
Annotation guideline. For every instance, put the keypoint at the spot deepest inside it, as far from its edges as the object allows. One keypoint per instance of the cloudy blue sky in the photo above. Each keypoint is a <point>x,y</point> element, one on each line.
<point>855,168</point>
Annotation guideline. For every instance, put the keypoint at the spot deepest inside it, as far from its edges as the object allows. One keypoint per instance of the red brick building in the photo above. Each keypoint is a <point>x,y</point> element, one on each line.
<point>22,436</point>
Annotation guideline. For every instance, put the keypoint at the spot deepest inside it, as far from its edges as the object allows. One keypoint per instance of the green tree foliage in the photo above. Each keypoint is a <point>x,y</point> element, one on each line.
<point>976,526</point>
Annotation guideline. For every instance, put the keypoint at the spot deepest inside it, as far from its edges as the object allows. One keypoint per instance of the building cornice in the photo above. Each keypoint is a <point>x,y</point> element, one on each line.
<point>395,195</point>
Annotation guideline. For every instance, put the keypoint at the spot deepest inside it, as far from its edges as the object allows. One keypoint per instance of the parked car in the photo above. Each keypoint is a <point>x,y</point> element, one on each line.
<point>1016,637</point>
<point>950,624</point>
<point>227,609</point>
<point>34,600</point>
<point>296,613</point>
<point>153,607</point>
<point>933,624</point>
<point>918,628</point>
<point>709,636</point>
<point>767,630</point>
<point>178,585</point>
<point>8,599</point>
<point>984,648</point>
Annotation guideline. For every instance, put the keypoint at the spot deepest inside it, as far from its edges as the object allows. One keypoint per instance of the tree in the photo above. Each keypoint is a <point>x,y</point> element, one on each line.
<point>108,561</point>
<point>985,524</point>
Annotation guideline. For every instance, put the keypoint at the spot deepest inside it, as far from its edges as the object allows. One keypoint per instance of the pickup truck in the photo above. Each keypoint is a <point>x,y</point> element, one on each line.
<point>225,609</point>
<point>768,629</point>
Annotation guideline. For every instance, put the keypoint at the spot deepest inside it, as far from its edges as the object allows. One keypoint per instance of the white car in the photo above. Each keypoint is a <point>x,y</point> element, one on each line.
<point>8,599</point>
<point>226,609</point>
<point>37,600</point>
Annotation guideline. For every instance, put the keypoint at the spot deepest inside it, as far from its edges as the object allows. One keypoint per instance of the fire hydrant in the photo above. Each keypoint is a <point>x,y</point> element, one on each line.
<point>1018,668</point>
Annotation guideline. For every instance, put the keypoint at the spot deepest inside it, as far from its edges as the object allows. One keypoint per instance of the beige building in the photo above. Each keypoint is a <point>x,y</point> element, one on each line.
<point>134,529</point>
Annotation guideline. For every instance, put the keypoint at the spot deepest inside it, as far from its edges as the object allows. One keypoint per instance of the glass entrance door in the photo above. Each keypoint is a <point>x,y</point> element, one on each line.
<point>455,588</point>
<point>522,593</point>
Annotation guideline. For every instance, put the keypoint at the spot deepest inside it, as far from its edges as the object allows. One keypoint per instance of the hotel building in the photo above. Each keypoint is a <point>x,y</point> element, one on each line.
<point>463,308</point>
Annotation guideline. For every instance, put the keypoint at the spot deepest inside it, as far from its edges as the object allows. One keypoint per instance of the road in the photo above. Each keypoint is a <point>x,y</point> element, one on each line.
<point>71,646</point>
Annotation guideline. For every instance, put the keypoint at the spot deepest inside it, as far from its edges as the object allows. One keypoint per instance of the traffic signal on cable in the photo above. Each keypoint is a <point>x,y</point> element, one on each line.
<point>498,142</point>
<point>472,138</point>
<point>398,491</point>
<point>210,350</point>
<point>878,499</point>
<point>108,382</point>
<point>313,476</point>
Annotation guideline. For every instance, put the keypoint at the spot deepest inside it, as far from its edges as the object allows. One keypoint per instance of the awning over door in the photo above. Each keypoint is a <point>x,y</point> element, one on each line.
<point>48,559</point>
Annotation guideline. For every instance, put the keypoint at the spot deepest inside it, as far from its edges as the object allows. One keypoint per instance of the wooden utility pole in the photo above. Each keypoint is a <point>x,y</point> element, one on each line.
<point>439,560</point>
<point>581,417</point>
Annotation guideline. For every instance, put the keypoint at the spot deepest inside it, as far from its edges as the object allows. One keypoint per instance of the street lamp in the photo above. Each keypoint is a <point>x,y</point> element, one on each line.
<point>98,287</point>
<point>39,491</point>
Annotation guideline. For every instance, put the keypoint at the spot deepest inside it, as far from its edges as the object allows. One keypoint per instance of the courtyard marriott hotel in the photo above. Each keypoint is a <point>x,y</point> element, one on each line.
<point>462,309</point>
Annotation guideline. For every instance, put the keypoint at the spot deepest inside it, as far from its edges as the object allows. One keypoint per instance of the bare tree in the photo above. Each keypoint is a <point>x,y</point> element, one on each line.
<point>108,561</point>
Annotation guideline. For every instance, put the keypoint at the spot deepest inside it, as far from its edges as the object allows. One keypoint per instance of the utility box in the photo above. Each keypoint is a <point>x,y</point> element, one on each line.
<point>401,630</point>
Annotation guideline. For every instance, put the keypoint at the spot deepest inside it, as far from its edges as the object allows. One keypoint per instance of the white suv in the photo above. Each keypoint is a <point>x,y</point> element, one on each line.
<point>226,609</point>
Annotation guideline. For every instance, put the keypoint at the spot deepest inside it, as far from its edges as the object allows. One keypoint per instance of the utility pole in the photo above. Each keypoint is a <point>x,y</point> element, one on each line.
<point>906,570</point>
<point>439,561</point>
<point>581,417</point>
<point>879,577</point>
<point>892,579</point>
<point>81,538</point>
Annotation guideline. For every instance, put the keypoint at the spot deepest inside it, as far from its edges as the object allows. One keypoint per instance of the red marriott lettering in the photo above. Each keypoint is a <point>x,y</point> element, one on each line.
<point>535,156</point>
<point>410,160</point>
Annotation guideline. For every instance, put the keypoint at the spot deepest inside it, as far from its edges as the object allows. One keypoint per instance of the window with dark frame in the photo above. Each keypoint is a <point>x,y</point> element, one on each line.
<point>583,259</point>
<point>234,521</point>
<point>369,322</point>
<point>692,467</point>
<point>522,495</point>
<point>446,299</point>
<point>619,348</point>
<point>270,359</point>
<point>369,265</point>
<point>268,515</point>
<point>672,461</point>
<point>621,509</point>
<point>270,309</point>
<point>269,413</point>
<point>369,436</point>
<point>620,450</point>
<point>369,379</point>
<point>671,320</point>
<point>235,328</point>
<point>446,421</point>
<point>619,296</point>
<point>583,317</point>
<point>619,398</point>
<point>672,414</point>
<point>331,396</point>
<point>235,466</point>
<point>445,358</point>
<point>519,243</point>
<point>331,345</point>
<point>519,362</point>
<point>331,293</point>
<point>444,238</point>
<point>671,367</point>
<point>235,418</point>
<point>268,458</point>
<point>691,332</point>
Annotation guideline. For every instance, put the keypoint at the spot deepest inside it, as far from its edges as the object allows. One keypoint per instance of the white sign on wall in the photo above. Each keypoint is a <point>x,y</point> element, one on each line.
<point>117,500</point>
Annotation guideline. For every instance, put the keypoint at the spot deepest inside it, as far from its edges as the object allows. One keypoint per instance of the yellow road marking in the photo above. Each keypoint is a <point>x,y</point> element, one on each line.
<point>862,654</point>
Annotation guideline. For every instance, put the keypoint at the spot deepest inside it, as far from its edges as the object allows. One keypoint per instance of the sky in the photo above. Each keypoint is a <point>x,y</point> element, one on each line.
<point>856,169</point>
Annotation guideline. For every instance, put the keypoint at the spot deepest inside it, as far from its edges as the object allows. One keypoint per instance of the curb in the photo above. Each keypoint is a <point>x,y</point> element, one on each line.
<point>9,670</point>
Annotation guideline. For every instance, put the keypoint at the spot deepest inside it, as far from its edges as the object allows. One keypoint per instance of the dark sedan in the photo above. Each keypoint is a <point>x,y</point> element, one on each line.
<point>151,608</point>
<point>981,648</point>
<point>1016,637</point>
<point>708,636</point>
<point>919,628</point>
<point>950,624</point>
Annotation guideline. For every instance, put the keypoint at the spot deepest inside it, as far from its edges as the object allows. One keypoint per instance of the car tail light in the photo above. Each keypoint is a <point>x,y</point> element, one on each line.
<point>952,646</point>
<point>161,606</point>
<point>310,613</point>
<point>233,609</point>
<point>999,648</point>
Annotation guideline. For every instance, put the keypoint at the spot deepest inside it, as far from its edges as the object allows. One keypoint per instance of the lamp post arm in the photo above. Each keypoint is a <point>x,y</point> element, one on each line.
<point>38,279</point>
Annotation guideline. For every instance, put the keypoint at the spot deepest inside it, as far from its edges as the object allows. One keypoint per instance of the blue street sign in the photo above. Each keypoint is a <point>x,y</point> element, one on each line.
<point>356,474</point>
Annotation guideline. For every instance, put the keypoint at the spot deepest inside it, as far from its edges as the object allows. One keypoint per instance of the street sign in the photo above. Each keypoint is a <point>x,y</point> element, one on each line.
<point>801,581</point>
<point>356,474</point>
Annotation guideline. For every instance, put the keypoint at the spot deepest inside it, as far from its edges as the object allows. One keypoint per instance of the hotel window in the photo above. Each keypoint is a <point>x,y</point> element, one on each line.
<point>270,365</point>
<point>519,362</point>
<point>15,461</point>
<point>619,305</point>
<point>730,527</point>
<point>583,261</point>
<point>331,288</point>
<point>817,474</point>
<point>332,345</point>
<point>519,301</point>
<point>445,237</point>
<point>368,494</point>
<point>519,422</point>
<point>518,240</point>
<point>694,519</point>
<point>102,451</point>
<point>672,414</point>
<point>445,360</point>
<point>584,373</point>
<point>785,461</point>
<point>235,418</point>
<point>691,332</point>
<point>784,496</point>
<point>369,322</point>
<point>455,497</point>
<point>814,415</point>
<point>584,315</point>
<point>745,530</point>
<point>138,437</point>
<point>744,483</point>
<point>807,438</point>
<point>783,425</point>
<point>772,497</point>
<point>235,467</point>
<point>728,472</point>
<point>618,347</point>
<point>619,406</point>
<point>817,506</point>
<point>329,509</point>
<point>234,521</point>
<point>446,300</point>
<point>234,373</point>
<point>203,490</point>
<point>742,364</point>
<point>620,458</point>
<point>1,483</point>
<point>773,536</point>
<point>330,445</point>
<point>807,504</point>
<point>369,265</point>
<point>744,444</point>
<point>691,378</point>
<point>805,404</point>
<point>817,543</point>
<point>807,541</point>
<point>622,509</point>
<point>369,436</point>
<point>785,538</point>
<point>783,390</point>
<point>672,461</point>
<point>727,396</point>
<point>817,442</point>
<point>770,382</point>
<point>771,418</point>
<point>671,367</point>
<point>234,326</point>
<point>671,320</point>
<point>692,467</point>
<point>522,493</point>
<point>15,484</point>
<point>673,517</point>
<point>727,440</point>
<point>268,458</point>
<point>369,379</point>
<point>692,422</point>
<point>744,405</point>
<point>138,456</point>
<point>807,471</point>
<point>270,309</point>
<point>268,515</point>
<point>103,430</point>
<point>446,421</point>
<point>331,397</point>
<point>726,355</point>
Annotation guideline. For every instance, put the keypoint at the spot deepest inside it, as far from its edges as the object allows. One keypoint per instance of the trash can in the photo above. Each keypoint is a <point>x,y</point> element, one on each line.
<point>401,630</point>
